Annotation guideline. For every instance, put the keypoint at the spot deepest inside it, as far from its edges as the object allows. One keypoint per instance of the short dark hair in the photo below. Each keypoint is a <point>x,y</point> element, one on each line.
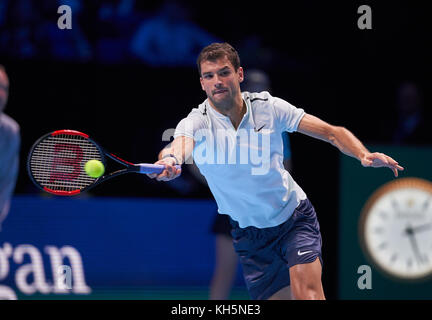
<point>216,51</point>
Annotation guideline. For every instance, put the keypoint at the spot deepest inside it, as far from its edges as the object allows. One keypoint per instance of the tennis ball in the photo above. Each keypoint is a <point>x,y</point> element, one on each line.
<point>94,168</point>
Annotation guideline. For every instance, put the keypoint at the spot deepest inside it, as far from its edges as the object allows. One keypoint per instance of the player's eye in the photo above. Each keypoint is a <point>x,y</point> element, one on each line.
<point>207,76</point>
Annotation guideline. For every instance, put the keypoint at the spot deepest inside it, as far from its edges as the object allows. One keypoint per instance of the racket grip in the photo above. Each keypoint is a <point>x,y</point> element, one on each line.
<point>152,168</point>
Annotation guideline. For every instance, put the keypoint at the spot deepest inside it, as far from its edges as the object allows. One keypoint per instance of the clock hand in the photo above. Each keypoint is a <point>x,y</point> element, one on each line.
<point>422,227</point>
<point>410,232</point>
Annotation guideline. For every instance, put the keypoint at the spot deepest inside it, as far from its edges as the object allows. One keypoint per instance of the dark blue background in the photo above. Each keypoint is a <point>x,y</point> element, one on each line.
<point>123,242</point>
<point>313,51</point>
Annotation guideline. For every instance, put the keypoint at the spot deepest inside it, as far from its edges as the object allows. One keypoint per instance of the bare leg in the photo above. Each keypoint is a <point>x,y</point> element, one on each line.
<point>225,268</point>
<point>306,281</point>
<point>282,294</point>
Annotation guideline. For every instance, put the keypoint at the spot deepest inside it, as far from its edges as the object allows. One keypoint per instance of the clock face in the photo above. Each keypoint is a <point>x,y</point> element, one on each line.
<point>396,228</point>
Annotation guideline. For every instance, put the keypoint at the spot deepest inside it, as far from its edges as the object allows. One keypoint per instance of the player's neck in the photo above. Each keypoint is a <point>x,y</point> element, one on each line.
<point>234,111</point>
<point>237,114</point>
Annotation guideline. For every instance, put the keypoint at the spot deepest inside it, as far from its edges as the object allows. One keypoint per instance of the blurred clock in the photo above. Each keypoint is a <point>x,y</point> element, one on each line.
<point>395,229</point>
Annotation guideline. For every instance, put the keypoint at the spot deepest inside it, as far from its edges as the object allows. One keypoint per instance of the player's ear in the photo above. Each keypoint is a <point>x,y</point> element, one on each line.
<point>241,74</point>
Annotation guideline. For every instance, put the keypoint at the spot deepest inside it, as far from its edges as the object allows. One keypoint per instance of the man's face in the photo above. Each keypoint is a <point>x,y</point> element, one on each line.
<point>221,82</point>
<point>4,90</point>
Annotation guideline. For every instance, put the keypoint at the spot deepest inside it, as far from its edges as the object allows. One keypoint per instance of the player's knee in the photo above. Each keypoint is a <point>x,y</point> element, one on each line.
<point>307,291</point>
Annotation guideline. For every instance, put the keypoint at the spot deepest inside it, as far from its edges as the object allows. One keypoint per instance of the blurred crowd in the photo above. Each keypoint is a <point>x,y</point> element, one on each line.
<point>157,34</point>
<point>309,66</point>
<point>111,31</point>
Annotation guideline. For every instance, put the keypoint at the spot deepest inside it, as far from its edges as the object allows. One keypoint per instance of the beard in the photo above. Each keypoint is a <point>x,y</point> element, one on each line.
<point>225,103</point>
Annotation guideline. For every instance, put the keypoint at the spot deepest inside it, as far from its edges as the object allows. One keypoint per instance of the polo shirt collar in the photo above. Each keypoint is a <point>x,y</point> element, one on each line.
<point>205,107</point>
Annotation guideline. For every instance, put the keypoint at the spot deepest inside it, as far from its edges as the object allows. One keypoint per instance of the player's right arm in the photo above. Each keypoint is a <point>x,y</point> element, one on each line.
<point>346,142</point>
<point>175,153</point>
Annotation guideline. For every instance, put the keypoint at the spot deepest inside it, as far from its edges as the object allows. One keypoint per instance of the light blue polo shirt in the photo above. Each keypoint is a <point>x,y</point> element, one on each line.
<point>244,167</point>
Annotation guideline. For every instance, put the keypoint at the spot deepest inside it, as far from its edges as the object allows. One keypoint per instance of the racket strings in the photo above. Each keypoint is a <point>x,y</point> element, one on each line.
<point>57,162</point>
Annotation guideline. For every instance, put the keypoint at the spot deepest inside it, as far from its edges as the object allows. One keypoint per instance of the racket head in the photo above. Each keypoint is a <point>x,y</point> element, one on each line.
<point>56,162</point>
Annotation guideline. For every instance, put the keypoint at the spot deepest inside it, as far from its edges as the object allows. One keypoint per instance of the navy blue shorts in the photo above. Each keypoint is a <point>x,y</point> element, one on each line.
<point>221,225</point>
<point>267,254</point>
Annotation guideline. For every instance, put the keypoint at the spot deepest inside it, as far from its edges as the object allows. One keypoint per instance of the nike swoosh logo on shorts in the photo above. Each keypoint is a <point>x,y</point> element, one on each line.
<point>302,253</point>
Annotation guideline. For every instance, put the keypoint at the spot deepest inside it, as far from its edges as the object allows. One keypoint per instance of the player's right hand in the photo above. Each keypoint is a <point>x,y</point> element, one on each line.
<point>170,172</point>
<point>378,160</point>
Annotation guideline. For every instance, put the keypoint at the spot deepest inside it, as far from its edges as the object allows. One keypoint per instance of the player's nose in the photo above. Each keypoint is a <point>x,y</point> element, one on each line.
<point>218,80</point>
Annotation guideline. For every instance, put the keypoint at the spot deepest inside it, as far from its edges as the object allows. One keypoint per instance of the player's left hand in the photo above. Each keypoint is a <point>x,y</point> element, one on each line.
<point>378,160</point>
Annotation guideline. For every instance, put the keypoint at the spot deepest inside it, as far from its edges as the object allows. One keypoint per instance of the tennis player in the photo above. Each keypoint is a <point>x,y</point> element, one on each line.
<point>275,228</point>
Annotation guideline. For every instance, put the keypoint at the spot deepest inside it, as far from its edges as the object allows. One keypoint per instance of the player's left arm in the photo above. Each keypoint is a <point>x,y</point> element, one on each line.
<point>346,142</point>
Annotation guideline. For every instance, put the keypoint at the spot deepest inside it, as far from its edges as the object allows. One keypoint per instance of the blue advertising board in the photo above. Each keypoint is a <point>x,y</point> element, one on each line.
<point>111,248</point>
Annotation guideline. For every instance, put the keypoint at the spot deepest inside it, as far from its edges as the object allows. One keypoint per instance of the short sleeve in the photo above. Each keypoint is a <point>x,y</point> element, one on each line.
<point>287,115</point>
<point>188,126</point>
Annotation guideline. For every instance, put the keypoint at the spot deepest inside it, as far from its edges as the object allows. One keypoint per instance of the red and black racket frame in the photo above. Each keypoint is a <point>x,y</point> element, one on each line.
<point>129,167</point>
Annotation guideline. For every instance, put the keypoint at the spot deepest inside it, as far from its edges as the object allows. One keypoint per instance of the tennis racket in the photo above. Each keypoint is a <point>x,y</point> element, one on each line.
<point>56,163</point>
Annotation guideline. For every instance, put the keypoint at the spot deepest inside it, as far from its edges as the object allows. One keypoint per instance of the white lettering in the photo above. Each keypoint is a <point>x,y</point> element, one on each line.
<point>5,254</point>
<point>56,257</point>
<point>204,151</point>
<point>63,281</point>
<point>365,281</point>
<point>65,20</point>
<point>35,267</point>
<point>188,310</point>
<point>365,20</point>
<point>7,293</point>
<point>30,278</point>
<point>264,160</point>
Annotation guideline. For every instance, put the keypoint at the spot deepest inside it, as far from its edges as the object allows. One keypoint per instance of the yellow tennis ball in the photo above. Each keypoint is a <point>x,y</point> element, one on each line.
<point>94,168</point>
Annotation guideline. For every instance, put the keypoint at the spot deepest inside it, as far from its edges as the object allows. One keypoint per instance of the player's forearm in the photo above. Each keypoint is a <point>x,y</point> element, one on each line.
<point>170,151</point>
<point>181,149</point>
<point>347,143</point>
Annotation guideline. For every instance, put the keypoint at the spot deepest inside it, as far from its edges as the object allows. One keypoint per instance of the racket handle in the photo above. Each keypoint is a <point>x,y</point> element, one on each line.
<point>152,168</point>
